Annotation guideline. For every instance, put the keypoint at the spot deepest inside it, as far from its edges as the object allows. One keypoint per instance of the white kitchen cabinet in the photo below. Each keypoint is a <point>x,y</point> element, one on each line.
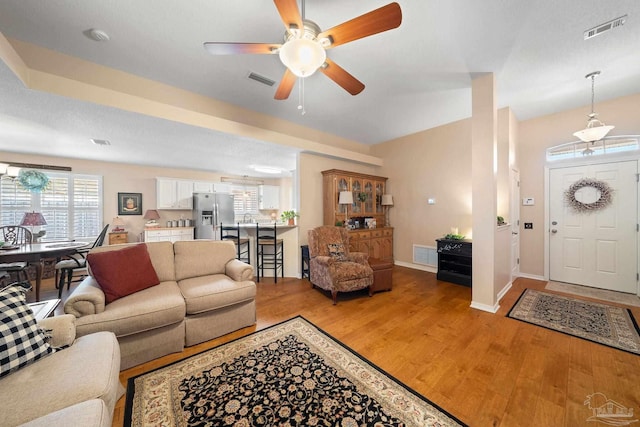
<point>269,197</point>
<point>168,234</point>
<point>202,187</point>
<point>222,188</point>
<point>174,194</point>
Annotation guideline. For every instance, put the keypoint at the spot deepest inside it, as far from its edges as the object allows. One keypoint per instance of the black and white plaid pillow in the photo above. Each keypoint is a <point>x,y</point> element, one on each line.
<point>22,341</point>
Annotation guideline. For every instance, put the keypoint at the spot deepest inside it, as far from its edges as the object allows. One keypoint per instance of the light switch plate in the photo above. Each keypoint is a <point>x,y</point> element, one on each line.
<point>431,201</point>
<point>528,201</point>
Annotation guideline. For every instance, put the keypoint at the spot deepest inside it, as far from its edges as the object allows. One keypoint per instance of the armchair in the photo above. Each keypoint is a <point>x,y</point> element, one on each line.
<point>332,267</point>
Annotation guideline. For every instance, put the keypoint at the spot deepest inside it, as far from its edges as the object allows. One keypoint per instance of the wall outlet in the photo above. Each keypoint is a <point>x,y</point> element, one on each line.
<point>431,201</point>
<point>528,226</point>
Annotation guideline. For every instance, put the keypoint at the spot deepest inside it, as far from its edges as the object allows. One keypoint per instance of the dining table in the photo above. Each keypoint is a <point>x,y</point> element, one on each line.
<point>36,253</point>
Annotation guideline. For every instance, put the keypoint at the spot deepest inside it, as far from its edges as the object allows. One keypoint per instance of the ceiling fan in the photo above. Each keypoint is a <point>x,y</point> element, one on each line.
<point>304,48</point>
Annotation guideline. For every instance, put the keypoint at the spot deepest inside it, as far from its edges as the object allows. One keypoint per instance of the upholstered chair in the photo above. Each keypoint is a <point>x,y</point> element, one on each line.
<point>332,267</point>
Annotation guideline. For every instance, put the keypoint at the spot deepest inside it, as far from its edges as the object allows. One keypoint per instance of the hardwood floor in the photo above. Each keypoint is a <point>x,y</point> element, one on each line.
<point>486,369</point>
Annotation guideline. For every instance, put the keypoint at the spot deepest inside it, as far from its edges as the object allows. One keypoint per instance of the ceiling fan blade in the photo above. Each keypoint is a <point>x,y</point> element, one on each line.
<point>342,77</point>
<point>385,18</point>
<point>286,85</point>
<point>290,14</point>
<point>220,48</point>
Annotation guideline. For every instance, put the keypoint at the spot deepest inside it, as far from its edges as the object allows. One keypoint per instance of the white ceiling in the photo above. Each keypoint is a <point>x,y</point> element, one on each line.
<point>417,76</point>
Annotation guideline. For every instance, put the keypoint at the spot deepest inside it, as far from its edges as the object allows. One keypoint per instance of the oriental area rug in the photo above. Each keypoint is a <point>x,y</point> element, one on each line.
<point>290,374</point>
<point>601,323</point>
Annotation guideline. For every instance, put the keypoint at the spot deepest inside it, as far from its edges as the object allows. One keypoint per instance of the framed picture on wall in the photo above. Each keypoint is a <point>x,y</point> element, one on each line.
<point>129,203</point>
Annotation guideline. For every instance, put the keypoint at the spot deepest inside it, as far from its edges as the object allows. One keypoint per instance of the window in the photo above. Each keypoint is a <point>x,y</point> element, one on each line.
<point>245,199</point>
<point>71,205</point>
<point>608,145</point>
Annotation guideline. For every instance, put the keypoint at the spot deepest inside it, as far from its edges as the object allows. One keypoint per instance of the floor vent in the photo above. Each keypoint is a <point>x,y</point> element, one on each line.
<point>261,79</point>
<point>603,28</point>
<point>425,255</point>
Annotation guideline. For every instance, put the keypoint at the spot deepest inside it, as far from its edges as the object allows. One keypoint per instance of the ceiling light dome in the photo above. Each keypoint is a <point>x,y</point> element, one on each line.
<point>595,130</point>
<point>302,56</point>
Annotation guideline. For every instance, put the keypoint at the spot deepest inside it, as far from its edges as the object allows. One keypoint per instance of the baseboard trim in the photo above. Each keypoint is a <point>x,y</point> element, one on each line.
<point>504,290</point>
<point>416,266</point>
<point>532,276</point>
<point>484,307</point>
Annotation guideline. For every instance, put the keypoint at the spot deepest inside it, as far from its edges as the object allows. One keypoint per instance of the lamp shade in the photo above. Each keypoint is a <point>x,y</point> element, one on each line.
<point>595,133</point>
<point>33,219</point>
<point>151,214</point>
<point>387,200</point>
<point>117,224</point>
<point>345,198</point>
<point>302,56</point>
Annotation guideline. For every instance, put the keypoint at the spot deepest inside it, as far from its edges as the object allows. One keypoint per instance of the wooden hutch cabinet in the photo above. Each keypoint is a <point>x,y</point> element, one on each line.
<point>367,202</point>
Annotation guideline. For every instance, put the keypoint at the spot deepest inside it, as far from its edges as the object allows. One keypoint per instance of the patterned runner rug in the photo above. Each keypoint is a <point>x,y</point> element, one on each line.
<point>289,374</point>
<point>601,323</point>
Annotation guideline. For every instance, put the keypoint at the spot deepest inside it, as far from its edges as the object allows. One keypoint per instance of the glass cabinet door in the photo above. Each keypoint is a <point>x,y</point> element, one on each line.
<point>369,201</point>
<point>342,185</point>
<point>356,188</point>
<point>379,193</point>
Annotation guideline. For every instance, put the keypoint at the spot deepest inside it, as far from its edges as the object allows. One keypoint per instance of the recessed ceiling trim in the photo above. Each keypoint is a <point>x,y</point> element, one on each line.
<point>603,28</point>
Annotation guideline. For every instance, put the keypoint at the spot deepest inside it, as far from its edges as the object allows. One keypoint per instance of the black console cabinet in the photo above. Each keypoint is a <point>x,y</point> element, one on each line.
<point>454,261</point>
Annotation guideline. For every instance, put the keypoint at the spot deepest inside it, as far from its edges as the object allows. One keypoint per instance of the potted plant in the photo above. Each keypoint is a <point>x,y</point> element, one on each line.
<point>289,217</point>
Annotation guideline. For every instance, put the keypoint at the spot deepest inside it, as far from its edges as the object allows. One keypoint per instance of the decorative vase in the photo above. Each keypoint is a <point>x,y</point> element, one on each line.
<point>292,221</point>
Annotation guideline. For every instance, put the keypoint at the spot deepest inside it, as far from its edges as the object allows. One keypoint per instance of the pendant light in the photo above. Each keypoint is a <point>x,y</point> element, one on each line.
<point>595,130</point>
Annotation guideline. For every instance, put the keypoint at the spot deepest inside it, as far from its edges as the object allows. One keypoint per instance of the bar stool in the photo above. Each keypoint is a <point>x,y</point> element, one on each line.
<point>232,232</point>
<point>269,251</point>
<point>304,262</point>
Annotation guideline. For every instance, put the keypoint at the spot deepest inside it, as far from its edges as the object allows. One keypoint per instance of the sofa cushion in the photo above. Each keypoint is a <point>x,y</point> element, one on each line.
<point>207,293</point>
<point>92,413</point>
<point>23,341</point>
<point>161,254</point>
<point>89,369</point>
<point>150,308</point>
<point>123,272</point>
<point>336,251</point>
<point>202,257</point>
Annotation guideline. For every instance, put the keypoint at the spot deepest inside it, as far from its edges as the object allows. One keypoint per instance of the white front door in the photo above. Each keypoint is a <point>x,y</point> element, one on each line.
<point>598,248</point>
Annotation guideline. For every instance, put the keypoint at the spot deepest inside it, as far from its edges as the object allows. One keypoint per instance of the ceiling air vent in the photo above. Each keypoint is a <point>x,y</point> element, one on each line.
<point>261,79</point>
<point>603,28</point>
<point>100,142</point>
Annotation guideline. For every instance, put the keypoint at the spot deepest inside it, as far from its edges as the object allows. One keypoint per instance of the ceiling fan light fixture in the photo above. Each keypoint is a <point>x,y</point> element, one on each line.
<point>595,130</point>
<point>302,56</point>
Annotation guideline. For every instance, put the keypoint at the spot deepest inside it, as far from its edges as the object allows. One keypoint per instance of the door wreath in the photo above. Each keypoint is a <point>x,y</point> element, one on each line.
<point>605,199</point>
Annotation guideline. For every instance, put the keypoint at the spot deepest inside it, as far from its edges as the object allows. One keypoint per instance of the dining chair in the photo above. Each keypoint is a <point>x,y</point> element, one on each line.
<point>269,251</point>
<point>13,235</point>
<point>243,246</point>
<point>75,263</point>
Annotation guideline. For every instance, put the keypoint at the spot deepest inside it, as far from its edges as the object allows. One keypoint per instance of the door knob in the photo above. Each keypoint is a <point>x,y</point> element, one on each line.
<point>554,223</point>
<point>554,231</point>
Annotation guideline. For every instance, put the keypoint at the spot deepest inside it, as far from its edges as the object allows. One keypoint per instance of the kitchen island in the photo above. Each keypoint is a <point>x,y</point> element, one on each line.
<point>289,236</point>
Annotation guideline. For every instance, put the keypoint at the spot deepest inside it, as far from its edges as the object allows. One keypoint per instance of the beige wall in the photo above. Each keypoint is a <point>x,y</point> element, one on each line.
<point>535,136</point>
<point>126,178</point>
<point>435,163</point>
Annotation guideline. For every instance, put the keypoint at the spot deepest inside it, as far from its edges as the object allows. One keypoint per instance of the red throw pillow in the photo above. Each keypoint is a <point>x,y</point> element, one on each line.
<point>123,272</point>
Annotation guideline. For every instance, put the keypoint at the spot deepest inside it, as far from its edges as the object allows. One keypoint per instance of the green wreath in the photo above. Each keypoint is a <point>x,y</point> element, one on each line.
<point>32,180</point>
<point>605,199</point>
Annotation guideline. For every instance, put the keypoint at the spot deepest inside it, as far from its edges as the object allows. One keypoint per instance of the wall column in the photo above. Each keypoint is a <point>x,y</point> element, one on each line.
<point>484,189</point>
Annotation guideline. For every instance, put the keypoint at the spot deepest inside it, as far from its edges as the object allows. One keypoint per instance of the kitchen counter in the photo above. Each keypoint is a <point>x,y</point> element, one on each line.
<point>265,224</point>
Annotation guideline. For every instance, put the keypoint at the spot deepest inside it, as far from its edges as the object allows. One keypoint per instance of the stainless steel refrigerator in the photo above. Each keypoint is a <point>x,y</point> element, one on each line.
<point>209,210</point>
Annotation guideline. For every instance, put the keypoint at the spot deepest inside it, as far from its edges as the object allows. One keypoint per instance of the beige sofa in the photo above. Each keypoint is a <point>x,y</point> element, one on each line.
<point>74,386</point>
<point>204,292</point>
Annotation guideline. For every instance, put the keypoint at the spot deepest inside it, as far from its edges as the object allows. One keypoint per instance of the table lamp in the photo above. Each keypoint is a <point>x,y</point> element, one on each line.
<point>117,223</point>
<point>345,198</point>
<point>387,201</point>
<point>34,219</point>
<point>152,215</point>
